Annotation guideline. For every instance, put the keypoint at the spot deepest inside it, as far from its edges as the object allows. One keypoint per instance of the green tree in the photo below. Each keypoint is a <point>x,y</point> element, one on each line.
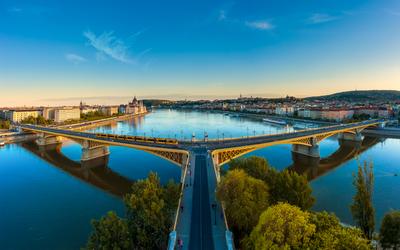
<point>331,235</point>
<point>286,186</point>
<point>254,166</point>
<point>5,124</point>
<point>282,226</point>
<point>390,230</point>
<point>294,189</point>
<point>110,232</point>
<point>362,209</point>
<point>148,213</point>
<point>245,198</point>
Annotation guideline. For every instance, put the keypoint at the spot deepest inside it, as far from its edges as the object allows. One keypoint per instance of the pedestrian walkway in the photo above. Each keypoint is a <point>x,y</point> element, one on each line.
<point>218,221</point>
<point>185,212</point>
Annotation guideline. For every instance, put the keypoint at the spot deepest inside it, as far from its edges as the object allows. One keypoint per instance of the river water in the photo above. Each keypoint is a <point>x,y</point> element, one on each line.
<point>47,199</point>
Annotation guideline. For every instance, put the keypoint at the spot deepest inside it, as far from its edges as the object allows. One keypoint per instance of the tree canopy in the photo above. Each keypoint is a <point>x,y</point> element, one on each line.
<point>150,209</point>
<point>110,232</point>
<point>362,208</point>
<point>281,227</point>
<point>284,226</point>
<point>285,186</point>
<point>390,230</point>
<point>245,198</point>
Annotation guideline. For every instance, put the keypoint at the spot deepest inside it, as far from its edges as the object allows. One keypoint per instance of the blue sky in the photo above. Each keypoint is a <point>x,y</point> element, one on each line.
<point>106,51</point>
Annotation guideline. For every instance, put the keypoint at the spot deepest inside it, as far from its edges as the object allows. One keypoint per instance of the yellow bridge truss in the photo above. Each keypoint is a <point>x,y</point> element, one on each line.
<point>224,155</point>
<point>176,156</point>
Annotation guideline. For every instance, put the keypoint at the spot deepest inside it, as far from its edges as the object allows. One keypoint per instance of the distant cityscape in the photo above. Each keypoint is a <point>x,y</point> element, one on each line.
<point>337,110</point>
<point>66,113</point>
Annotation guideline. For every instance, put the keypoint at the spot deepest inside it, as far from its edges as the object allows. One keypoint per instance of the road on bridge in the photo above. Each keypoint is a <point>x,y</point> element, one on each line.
<point>201,232</point>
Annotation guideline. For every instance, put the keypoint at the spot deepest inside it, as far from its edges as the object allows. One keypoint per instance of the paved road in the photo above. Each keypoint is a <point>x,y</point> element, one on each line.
<point>201,232</point>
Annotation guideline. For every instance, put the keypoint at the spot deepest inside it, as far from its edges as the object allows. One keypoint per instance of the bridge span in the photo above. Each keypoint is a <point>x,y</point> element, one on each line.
<point>200,162</point>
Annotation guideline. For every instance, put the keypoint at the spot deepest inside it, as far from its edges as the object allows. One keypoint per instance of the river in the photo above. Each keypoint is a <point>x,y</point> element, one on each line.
<point>48,200</point>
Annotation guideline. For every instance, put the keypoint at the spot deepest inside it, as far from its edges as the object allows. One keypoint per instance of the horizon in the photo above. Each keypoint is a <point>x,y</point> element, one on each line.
<point>56,51</point>
<point>117,100</point>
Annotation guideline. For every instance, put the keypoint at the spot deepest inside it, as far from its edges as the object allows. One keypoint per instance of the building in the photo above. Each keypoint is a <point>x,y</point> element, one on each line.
<point>17,115</point>
<point>135,107</point>
<point>109,110</point>
<point>49,113</point>
<point>122,109</point>
<point>63,114</point>
<point>284,110</point>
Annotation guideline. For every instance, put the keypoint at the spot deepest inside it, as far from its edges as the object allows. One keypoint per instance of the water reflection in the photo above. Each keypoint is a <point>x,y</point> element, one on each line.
<point>101,177</point>
<point>315,167</point>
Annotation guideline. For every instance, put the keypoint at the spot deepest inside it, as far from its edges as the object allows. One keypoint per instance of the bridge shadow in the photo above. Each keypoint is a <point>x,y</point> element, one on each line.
<point>101,176</point>
<point>315,167</point>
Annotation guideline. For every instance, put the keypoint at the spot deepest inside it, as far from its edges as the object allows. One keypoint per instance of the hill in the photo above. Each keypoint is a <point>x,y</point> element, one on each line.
<point>361,96</point>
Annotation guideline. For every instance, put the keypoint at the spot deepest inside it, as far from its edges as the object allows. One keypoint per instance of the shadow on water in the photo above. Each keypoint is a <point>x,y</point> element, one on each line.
<point>316,167</point>
<point>101,177</point>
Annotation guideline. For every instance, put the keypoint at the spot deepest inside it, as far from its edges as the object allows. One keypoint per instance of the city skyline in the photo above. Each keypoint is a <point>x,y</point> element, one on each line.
<point>54,53</point>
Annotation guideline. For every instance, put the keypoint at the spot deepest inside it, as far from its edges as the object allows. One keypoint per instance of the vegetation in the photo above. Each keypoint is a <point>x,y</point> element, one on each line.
<point>390,230</point>
<point>5,124</point>
<point>110,232</point>
<point>281,227</point>
<point>93,115</point>
<point>284,226</point>
<point>245,198</point>
<point>284,186</point>
<point>283,222</point>
<point>150,209</point>
<point>361,96</point>
<point>362,208</point>
<point>39,120</point>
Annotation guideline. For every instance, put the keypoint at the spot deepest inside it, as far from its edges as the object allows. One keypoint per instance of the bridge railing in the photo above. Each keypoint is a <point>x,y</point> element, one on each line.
<point>173,234</point>
<point>250,137</point>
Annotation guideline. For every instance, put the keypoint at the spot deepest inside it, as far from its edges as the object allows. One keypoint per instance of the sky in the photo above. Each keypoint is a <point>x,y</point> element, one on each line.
<point>105,52</point>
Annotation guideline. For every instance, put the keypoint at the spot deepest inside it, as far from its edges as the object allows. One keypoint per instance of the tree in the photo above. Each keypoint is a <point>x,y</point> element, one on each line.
<point>294,189</point>
<point>110,232</point>
<point>149,213</point>
<point>245,198</point>
<point>390,230</point>
<point>362,208</point>
<point>286,186</point>
<point>282,226</point>
<point>5,124</point>
<point>331,235</point>
<point>254,166</point>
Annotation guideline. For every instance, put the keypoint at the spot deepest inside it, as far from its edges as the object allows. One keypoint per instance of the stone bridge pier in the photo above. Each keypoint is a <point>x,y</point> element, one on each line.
<point>307,150</point>
<point>46,139</point>
<point>351,136</point>
<point>94,154</point>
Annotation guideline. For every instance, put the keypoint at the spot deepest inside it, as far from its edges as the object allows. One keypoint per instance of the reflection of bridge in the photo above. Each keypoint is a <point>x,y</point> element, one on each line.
<point>304,143</point>
<point>314,168</point>
<point>98,176</point>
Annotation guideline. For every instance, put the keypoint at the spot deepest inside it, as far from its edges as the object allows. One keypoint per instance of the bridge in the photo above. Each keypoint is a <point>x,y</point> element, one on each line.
<point>200,162</point>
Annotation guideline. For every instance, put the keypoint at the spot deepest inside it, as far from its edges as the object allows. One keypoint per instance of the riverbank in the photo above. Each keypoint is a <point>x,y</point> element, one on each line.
<point>259,116</point>
<point>95,123</point>
<point>383,132</point>
<point>16,137</point>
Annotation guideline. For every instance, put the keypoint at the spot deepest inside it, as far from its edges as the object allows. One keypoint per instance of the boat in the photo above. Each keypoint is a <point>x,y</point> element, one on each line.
<point>2,143</point>
<point>273,121</point>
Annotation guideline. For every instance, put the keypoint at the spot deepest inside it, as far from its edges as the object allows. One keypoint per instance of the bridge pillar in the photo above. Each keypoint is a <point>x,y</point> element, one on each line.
<point>46,139</point>
<point>350,143</point>
<point>310,151</point>
<point>94,154</point>
<point>351,136</point>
